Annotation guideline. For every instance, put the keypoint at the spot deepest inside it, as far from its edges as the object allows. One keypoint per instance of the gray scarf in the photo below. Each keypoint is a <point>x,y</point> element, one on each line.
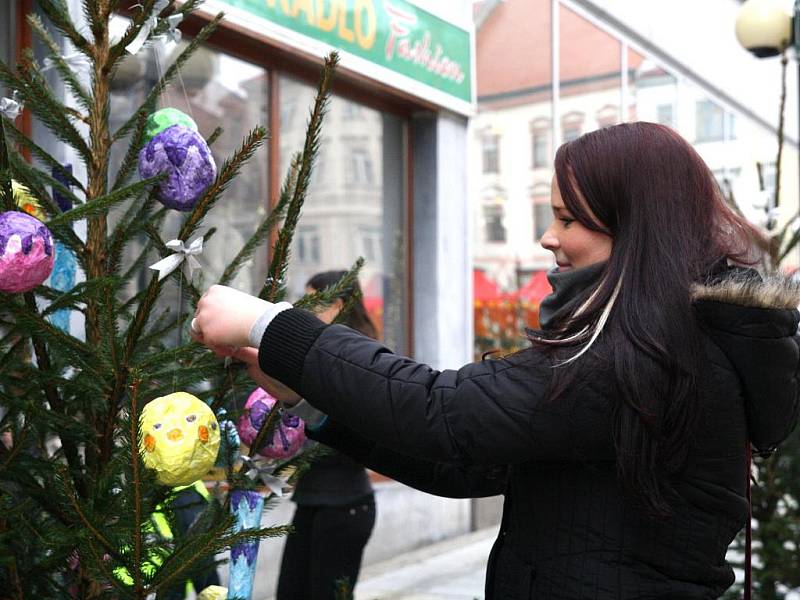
<point>568,288</point>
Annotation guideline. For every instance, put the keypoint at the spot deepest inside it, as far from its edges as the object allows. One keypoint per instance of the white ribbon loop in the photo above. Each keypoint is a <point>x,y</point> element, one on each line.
<point>182,255</point>
<point>275,484</point>
<point>11,108</point>
<point>173,34</point>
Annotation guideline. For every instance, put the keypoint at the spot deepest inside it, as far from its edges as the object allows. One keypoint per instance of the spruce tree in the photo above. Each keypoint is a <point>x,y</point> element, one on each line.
<point>76,502</point>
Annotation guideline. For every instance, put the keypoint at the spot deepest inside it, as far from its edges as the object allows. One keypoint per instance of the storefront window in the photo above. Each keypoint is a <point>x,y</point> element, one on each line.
<point>356,202</point>
<point>212,88</point>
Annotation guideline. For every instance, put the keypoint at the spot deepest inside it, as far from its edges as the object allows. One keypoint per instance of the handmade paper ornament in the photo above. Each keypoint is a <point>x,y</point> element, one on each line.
<point>287,437</point>
<point>229,444</point>
<point>164,119</point>
<point>185,158</point>
<point>179,438</point>
<point>65,267</point>
<point>26,252</point>
<point>213,592</point>
<point>246,506</point>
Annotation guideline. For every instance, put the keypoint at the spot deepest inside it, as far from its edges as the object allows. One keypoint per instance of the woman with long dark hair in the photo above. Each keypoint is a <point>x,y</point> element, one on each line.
<point>620,438</point>
<point>335,510</point>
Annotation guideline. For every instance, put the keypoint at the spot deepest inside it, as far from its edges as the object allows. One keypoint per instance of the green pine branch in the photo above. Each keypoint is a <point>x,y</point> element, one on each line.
<point>135,145</point>
<point>58,14</point>
<point>341,289</point>
<point>265,228</point>
<point>274,288</point>
<point>38,97</point>
<point>6,191</point>
<point>230,169</point>
<point>66,73</point>
<point>30,323</point>
<point>74,298</point>
<point>42,155</point>
<point>101,206</point>
<point>42,181</point>
<point>267,429</point>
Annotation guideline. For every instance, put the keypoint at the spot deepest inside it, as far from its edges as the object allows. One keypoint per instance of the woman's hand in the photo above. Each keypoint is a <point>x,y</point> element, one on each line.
<point>273,387</point>
<point>224,317</point>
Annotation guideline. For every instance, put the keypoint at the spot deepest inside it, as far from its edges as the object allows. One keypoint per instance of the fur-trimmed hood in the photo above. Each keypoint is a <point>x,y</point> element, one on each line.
<point>745,287</point>
<point>754,321</point>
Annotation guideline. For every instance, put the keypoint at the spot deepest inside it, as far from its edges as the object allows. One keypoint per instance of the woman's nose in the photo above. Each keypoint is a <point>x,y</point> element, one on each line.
<point>549,241</point>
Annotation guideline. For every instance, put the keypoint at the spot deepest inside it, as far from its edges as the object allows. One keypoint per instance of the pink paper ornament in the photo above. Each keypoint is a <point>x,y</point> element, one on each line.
<point>27,252</point>
<point>289,434</point>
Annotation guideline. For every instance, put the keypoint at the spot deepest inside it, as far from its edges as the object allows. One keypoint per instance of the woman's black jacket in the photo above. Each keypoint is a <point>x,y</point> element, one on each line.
<point>568,531</point>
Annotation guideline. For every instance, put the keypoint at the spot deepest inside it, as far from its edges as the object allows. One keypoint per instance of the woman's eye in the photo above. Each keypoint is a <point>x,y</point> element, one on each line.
<point>567,222</point>
<point>191,418</point>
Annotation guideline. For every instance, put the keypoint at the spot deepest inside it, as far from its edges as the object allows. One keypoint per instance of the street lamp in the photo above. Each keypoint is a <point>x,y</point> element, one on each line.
<point>768,28</point>
<point>764,27</point>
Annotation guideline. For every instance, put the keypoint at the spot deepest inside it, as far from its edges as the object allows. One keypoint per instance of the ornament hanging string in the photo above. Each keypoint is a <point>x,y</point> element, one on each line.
<point>159,45</point>
<point>183,255</point>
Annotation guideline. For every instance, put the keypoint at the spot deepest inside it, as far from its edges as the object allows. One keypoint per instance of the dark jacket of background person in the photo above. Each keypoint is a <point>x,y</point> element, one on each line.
<point>568,530</point>
<point>335,511</point>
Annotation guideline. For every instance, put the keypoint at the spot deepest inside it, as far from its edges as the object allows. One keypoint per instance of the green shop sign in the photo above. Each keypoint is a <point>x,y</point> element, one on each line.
<point>394,34</point>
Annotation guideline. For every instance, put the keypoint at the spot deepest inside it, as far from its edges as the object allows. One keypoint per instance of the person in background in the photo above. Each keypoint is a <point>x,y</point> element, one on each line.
<point>335,510</point>
<point>621,436</point>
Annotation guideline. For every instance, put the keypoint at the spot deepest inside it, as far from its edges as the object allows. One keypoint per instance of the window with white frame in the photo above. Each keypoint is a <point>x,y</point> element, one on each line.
<point>370,240</point>
<point>494,226</point>
<point>607,116</point>
<point>540,146</point>
<point>308,245</point>
<point>359,167</point>
<point>542,212</point>
<point>490,145</point>
<point>665,114</point>
<point>571,126</point>
<point>710,122</point>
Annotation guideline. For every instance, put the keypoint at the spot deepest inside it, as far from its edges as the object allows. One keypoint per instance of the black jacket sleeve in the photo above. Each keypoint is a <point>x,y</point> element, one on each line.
<point>490,413</point>
<point>450,481</point>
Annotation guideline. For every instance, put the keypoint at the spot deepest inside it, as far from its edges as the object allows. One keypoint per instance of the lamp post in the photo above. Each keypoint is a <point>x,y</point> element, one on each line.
<point>768,28</point>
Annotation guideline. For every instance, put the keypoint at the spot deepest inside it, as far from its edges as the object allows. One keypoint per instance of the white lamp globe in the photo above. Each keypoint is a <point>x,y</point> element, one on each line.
<point>764,27</point>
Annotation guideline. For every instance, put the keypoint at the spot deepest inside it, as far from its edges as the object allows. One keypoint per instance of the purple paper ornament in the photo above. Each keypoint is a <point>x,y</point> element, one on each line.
<point>288,436</point>
<point>26,252</point>
<point>184,155</point>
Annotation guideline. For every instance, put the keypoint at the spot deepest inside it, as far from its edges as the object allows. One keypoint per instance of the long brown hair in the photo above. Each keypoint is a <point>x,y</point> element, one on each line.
<point>357,317</point>
<point>653,194</point>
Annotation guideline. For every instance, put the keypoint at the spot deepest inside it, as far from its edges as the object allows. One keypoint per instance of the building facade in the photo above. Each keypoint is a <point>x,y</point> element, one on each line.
<point>605,74</point>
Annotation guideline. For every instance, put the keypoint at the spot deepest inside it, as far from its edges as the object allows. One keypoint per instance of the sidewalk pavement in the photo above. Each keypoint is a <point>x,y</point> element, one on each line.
<point>453,569</point>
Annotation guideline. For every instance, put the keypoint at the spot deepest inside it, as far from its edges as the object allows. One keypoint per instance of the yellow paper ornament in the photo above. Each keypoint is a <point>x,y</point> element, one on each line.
<point>179,438</point>
<point>213,592</point>
<point>24,200</point>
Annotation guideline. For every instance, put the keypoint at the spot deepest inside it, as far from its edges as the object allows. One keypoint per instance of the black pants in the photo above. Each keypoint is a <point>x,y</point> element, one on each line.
<point>326,546</point>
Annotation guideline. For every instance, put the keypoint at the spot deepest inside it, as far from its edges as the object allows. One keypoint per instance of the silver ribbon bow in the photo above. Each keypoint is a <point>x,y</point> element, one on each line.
<point>11,108</point>
<point>75,61</point>
<point>173,33</point>
<point>265,473</point>
<point>182,255</point>
<point>149,25</point>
